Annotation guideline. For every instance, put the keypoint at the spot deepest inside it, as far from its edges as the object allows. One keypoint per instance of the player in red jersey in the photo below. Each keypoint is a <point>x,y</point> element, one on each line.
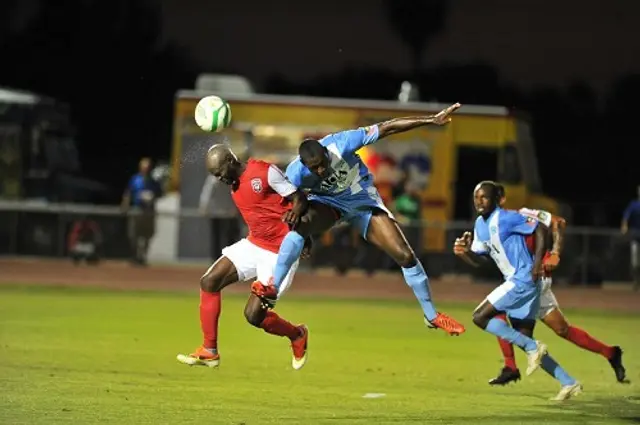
<point>263,195</point>
<point>550,313</point>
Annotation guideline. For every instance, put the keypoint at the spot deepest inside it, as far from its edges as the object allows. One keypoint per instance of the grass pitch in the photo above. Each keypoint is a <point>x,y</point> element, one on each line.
<point>70,356</point>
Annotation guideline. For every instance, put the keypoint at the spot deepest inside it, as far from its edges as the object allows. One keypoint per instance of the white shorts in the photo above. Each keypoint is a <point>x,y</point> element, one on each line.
<point>253,262</point>
<point>548,301</point>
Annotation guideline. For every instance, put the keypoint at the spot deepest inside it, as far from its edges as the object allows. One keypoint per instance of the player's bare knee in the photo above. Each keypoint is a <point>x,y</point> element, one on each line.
<point>480,319</point>
<point>254,312</point>
<point>561,328</point>
<point>405,257</point>
<point>211,282</point>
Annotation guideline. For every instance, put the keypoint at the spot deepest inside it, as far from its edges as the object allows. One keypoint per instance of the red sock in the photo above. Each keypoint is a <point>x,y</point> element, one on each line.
<point>586,341</point>
<point>507,348</point>
<point>275,325</point>
<point>210,306</point>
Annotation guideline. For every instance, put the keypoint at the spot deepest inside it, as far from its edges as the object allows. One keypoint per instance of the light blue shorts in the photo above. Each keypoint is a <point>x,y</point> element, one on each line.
<point>518,300</point>
<point>357,209</point>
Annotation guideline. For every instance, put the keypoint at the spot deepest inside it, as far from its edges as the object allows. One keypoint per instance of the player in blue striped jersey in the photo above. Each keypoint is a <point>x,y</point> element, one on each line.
<point>341,188</point>
<point>500,234</point>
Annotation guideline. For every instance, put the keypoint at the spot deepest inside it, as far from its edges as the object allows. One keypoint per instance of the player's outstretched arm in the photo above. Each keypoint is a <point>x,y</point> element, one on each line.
<point>400,125</point>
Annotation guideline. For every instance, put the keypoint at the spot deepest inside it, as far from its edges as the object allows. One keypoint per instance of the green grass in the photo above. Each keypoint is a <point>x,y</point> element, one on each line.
<point>89,356</point>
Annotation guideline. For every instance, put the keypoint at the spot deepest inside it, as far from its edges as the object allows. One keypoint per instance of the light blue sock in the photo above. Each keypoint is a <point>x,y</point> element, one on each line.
<point>290,251</point>
<point>554,369</point>
<point>417,280</point>
<point>500,329</point>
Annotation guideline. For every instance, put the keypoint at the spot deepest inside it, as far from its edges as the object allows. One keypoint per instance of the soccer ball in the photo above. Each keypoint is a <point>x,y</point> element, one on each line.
<point>212,114</point>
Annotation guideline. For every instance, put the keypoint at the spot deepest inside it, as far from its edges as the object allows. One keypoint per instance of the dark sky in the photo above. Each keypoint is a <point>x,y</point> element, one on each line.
<point>542,42</point>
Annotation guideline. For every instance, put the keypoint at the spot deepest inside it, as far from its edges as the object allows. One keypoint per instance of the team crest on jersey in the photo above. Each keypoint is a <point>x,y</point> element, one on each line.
<point>256,185</point>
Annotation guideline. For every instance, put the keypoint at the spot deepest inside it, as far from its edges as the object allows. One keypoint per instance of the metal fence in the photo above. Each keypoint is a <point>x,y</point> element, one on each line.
<point>591,256</point>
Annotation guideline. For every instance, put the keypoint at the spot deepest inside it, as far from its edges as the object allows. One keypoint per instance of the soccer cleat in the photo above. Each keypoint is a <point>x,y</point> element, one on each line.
<point>201,357</point>
<point>299,348</point>
<point>568,391</point>
<point>268,293</point>
<point>446,323</point>
<point>506,375</point>
<point>616,363</point>
<point>535,357</point>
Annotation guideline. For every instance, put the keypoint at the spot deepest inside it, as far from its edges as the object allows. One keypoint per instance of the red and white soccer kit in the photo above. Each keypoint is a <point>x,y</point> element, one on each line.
<point>261,200</point>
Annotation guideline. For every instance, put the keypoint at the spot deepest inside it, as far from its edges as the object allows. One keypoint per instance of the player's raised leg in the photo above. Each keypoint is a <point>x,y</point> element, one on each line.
<point>222,273</point>
<point>499,301</point>
<point>510,371</point>
<point>554,319</point>
<point>570,386</point>
<point>522,305</point>
<point>259,314</point>
<point>318,219</point>
<point>382,231</point>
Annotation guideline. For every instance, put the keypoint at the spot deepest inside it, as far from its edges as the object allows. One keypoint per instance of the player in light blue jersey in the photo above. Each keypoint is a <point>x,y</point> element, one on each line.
<point>340,187</point>
<point>501,234</point>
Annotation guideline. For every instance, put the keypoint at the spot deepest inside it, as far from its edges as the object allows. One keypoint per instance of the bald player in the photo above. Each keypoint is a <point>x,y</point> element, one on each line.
<point>263,195</point>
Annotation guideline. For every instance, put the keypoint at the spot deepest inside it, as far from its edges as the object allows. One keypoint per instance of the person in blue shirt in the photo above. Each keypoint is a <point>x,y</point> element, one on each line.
<point>631,227</point>
<point>340,187</point>
<point>141,195</point>
<point>500,234</point>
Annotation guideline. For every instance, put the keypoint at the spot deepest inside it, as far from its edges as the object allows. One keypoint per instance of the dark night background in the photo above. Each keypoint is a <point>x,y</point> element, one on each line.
<point>572,65</point>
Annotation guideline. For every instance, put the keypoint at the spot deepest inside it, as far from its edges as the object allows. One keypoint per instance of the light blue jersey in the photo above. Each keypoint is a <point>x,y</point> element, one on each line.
<point>502,236</point>
<point>349,187</point>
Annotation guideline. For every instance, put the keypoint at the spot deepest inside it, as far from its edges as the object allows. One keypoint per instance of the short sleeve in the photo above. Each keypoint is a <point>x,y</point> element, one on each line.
<point>294,173</point>
<point>542,216</point>
<point>279,182</point>
<point>477,246</point>
<point>354,140</point>
<point>514,222</point>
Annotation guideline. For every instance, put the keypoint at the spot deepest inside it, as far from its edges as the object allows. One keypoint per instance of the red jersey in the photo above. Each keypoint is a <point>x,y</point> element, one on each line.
<point>261,200</point>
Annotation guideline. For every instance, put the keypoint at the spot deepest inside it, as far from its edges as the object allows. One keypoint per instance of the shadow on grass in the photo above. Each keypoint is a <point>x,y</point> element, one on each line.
<point>616,410</point>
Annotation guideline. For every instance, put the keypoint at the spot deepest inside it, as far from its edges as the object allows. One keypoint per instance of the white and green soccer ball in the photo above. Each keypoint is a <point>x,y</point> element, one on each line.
<point>212,114</point>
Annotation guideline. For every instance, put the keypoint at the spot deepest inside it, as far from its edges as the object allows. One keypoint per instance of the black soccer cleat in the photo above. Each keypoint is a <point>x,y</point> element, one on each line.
<point>616,364</point>
<point>506,375</point>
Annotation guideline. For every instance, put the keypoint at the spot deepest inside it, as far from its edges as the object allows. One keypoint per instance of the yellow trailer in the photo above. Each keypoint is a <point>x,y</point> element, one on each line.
<point>482,143</point>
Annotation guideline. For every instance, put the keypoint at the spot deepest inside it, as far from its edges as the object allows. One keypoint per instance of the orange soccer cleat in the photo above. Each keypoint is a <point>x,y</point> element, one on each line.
<point>447,324</point>
<point>267,293</point>
<point>299,348</point>
<point>200,357</point>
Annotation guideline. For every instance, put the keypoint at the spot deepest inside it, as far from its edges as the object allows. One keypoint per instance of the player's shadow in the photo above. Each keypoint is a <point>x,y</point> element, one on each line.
<point>578,411</point>
<point>624,409</point>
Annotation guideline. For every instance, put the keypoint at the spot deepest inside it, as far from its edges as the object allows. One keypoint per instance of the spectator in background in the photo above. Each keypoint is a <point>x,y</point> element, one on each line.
<point>216,203</point>
<point>631,227</point>
<point>408,210</point>
<point>140,197</point>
